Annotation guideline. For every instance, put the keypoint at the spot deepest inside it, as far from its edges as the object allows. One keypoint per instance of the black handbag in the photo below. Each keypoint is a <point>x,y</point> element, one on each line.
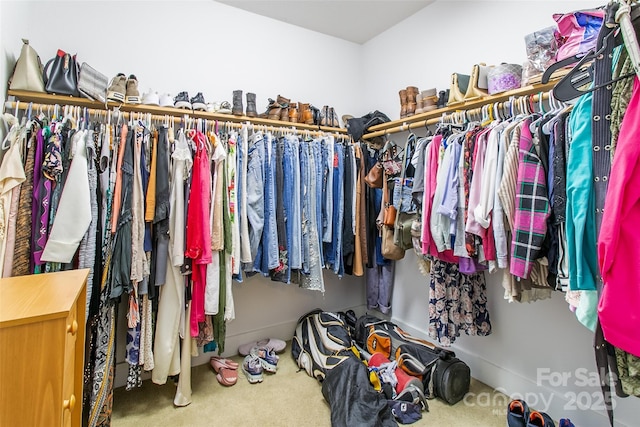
<point>62,79</point>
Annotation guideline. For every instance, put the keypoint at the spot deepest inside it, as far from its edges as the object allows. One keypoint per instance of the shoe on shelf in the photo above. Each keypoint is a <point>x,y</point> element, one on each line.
<point>238,109</point>
<point>166,100</point>
<point>213,107</point>
<point>517,413</point>
<point>132,93</point>
<point>225,108</point>
<point>182,101</point>
<point>540,419</point>
<point>252,369</point>
<point>197,102</point>
<point>268,358</point>
<point>274,344</point>
<point>117,88</point>
<point>151,98</point>
<point>251,105</point>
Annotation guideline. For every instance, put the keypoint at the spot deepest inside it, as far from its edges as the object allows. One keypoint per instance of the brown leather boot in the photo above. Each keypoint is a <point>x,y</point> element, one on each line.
<point>293,112</point>
<point>403,103</point>
<point>284,102</point>
<point>284,113</point>
<point>305,113</point>
<point>273,110</point>
<point>412,94</point>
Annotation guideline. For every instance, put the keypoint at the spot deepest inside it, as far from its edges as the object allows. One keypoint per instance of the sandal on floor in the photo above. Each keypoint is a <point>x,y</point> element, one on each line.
<point>218,363</point>
<point>227,377</point>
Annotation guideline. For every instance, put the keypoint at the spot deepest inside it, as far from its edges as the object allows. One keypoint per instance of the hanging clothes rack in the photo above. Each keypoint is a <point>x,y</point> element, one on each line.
<point>45,100</point>
<point>531,93</point>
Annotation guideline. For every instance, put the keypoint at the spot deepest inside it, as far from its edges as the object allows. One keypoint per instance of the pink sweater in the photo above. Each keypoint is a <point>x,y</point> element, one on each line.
<point>618,247</point>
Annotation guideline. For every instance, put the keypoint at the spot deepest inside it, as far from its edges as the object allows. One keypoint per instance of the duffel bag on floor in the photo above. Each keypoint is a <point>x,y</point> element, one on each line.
<point>442,373</point>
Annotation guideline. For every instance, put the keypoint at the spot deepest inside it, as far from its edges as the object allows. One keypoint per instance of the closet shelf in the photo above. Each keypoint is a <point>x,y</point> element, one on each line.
<point>49,99</point>
<point>424,119</point>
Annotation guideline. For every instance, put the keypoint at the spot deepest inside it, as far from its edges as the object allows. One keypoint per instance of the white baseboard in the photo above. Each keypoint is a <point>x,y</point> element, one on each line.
<point>283,330</point>
<point>514,384</point>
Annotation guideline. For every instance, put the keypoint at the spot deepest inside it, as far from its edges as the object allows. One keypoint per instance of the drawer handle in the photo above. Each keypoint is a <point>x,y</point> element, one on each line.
<point>72,328</point>
<point>69,404</point>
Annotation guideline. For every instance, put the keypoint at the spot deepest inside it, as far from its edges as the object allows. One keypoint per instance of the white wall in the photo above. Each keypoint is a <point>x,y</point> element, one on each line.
<point>423,50</point>
<point>173,46</point>
<point>210,47</point>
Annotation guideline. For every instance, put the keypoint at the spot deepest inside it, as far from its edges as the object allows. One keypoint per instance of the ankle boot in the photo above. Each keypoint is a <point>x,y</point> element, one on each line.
<point>443,96</point>
<point>237,109</point>
<point>403,103</point>
<point>419,104</point>
<point>305,114</point>
<point>293,112</point>
<point>251,105</point>
<point>412,94</point>
<point>273,111</point>
<point>284,113</point>
<point>284,102</point>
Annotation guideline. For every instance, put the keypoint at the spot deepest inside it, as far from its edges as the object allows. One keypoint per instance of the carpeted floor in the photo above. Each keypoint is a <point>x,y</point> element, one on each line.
<point>287,398</point>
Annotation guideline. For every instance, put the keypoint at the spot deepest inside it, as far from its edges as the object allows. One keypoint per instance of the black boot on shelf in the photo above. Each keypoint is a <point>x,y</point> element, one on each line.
<point>251,105</point>
<point>237,109</point>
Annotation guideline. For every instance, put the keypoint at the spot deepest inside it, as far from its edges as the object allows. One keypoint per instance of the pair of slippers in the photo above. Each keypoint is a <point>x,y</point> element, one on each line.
<point>226,370</point>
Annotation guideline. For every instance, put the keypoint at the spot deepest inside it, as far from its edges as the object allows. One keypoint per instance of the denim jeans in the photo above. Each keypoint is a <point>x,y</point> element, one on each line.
<point>270,257</point>
<point>379,281</point>
<point>314,280</point>
<point>255,195</point>
<point>318,166</point>
<point>292,146</point>
<point>327,188</point>
<point>306,204</point>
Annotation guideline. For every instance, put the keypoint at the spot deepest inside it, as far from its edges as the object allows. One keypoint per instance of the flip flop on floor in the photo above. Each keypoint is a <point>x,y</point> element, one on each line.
<point>220,362</point>
<point>227,377</point>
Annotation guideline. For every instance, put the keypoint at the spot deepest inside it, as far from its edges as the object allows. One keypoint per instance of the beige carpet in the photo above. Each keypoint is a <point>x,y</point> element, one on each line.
<point>287,398</point>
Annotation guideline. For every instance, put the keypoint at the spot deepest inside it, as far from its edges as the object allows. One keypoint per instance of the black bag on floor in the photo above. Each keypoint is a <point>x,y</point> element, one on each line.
<point>443,375</point>
<point>320,343</point>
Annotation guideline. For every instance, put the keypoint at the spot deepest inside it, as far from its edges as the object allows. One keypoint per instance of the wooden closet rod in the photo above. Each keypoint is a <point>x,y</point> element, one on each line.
<point>46,100</point>
<point>164,118</point>
<point>451,116</point>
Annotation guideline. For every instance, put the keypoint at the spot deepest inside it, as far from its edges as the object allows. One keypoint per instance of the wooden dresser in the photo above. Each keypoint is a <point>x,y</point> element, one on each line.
<point>42,336</point>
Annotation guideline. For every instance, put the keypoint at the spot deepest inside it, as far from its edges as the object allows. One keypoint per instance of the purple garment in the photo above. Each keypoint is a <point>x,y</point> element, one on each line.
<point>470,265</point>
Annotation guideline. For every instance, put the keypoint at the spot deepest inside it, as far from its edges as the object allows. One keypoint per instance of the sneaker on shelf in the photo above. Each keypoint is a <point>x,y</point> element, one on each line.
<point>151,98</point>
<point>268,358</point>
<point>166,100</point>
<point>252,369</point>
<point>213,107</point>
<point>197,102</point>
<point>274,344</point>
<point>132,93</point>
<point>225,108</point>
<point>182,101</point>
<point>117,88</point>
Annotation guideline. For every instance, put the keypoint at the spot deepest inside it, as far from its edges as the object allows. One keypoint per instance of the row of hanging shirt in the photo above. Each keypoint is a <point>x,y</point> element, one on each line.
<point>493,196</point>
<point>145,205</point>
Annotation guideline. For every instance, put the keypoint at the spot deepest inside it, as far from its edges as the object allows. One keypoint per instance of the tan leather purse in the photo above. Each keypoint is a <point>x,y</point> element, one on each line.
<point>375,176</point>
